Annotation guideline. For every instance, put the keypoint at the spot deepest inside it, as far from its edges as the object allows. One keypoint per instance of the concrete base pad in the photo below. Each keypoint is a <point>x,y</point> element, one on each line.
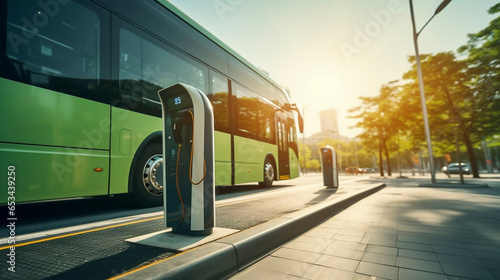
<point>179,242</point>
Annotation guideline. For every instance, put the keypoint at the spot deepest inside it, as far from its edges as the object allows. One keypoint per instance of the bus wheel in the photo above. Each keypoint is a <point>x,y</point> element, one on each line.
<point>268,175</point>
<point>147,177</point>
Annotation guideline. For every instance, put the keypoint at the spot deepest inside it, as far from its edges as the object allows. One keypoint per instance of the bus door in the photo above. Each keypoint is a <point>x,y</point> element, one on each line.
<point>283,140</point>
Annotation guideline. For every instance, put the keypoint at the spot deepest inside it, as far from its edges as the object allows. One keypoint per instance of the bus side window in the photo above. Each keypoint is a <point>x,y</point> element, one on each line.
<point>219,97</point>
<point>193,74</point>
<point>247,104</point>
<point>62,54</point>
<point>130,66</point>
<point>148,65</point>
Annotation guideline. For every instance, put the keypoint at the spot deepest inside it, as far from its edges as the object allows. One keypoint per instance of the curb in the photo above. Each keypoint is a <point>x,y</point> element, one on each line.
<point>451,185</point>
<point>229,255</point>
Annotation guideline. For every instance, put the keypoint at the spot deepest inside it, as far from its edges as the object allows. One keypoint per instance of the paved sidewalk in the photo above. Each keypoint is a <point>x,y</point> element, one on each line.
<point>400,232</point>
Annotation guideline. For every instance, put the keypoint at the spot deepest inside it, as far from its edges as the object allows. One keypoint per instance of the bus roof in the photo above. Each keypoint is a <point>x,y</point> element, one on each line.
<point>217,41</point>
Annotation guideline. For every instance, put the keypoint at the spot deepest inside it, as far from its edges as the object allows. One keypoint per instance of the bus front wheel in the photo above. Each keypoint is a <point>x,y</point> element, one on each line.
<point>147,177</point>
<point>268,174</point>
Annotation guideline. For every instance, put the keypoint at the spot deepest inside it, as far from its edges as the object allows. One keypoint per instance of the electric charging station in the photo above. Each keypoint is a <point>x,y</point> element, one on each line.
<point>329,167</point>
<point>188,152</point>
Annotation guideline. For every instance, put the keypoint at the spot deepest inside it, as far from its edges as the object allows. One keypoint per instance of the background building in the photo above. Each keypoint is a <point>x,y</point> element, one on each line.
<point>329,120</point>
<point>329,128</point>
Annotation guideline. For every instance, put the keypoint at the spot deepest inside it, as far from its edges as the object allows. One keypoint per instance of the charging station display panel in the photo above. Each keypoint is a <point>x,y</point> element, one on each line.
<point>179,102</point>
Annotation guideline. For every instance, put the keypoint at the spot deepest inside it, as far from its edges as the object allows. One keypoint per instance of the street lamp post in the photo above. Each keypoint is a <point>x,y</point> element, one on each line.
<point>304,134</point>
<point>421,84</point>
<point>304,139</point>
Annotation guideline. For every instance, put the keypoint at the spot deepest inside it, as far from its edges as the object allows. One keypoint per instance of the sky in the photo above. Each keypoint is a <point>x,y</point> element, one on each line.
<point>328,53</point>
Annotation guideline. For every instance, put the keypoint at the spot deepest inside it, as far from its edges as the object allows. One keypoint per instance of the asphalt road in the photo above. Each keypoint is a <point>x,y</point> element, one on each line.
<point>238,207</point>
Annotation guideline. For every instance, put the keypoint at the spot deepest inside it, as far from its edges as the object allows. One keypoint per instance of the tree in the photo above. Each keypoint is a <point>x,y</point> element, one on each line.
<point>483,50</point>
<point>380,120</point>
<point>453,102</point>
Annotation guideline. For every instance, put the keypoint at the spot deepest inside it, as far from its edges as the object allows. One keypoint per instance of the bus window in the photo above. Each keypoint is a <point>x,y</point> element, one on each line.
<point>247,105</point>
<point>266,121</point>
<point>158,69</point>
<point>62,54</point>
<point>148,65</point>
<point>193,74</point>
<point>130,65</point>
<point>254,115</point>
<point>219,98</point>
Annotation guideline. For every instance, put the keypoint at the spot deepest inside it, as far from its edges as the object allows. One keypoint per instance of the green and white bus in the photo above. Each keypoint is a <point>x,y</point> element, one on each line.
<point>79,109</point>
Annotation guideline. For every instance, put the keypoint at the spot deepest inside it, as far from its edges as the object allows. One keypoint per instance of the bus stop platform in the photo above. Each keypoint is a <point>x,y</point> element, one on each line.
<point>416,231</point>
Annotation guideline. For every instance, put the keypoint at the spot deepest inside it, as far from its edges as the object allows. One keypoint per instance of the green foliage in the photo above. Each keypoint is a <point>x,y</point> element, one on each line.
<point>313,164</point>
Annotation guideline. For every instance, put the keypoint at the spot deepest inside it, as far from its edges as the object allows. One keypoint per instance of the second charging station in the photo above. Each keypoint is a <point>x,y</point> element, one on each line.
<point>188,150</point>
<point>329,167</point>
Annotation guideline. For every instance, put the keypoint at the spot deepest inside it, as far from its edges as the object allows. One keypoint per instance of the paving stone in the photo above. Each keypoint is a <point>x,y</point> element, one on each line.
<point>497,273</point>
<point>358,227</point>
<point>382,242</point>
<point>348,245</point>
<point>352,232</point>
<point>377,270</point>
<point>346,253</point>
<point>493,264</point>
<point>486,255</point>
<point>308,247</point>
<point>417,264</point>
<point>321,232</point>
<point>323,242</point>
<point>446,243</point>
<point>297,255</point>
<point>453,251</point>
<point>358,276</point>
<point>414,246</point>
<point>413,239</point>
<point>410,274</point>
<point>414,254</point>
<point>382,250</point>
<point>338,262</point>
<point>460,260</point>
<point>382,236</point>
<point>379,258</point>
<point>252,274</point>
<point>346,237</point>
<point>318,272</point>
<point>482,247</point>
<point>467,271</point>
<point>382,230</point>
<point>281,265</point>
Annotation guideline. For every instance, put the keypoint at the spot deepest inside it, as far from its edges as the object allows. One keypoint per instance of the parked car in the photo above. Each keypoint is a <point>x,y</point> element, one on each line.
<point>369,170</point>
<point>453,168</point>
<point>354,170</point>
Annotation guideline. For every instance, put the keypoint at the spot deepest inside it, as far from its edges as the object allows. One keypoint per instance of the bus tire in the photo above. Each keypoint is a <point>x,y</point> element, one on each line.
<point>147,181</point>
<point>269,174</point>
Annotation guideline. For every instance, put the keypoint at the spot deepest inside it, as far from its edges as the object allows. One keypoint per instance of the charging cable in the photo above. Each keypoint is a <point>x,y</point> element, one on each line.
<point>190,172</point>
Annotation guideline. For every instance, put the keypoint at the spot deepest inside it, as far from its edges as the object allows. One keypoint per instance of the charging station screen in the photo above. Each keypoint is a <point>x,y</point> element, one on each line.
<point>179,102</point>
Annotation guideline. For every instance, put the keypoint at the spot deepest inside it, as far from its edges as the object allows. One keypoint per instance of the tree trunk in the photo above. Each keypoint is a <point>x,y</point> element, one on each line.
<point>389,171</point>
<point>380,158</point>
<point>470,152</point>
